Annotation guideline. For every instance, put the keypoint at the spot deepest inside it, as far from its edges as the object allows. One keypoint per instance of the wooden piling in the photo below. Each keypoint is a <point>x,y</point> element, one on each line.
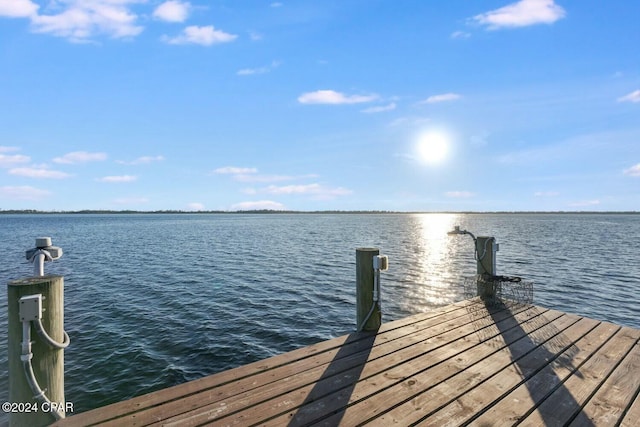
<point>48,363</point>
<point>486,266</point>
<point>364,290</point>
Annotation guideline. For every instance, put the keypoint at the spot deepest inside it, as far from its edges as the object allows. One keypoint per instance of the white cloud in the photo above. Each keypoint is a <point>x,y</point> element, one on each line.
<point>118,178</point>
<point>292,189</point>
<point>195,206</point>
<point>242,174</point>
<point>460,35</point>
<point>380,108</point>
<point>235,170</point>
<point>39,173</point>
<point>11,160</point>
<point>142,160</point>
<point>411,121</point>
<point>18,8</point>
<point>81,20</point>
<point>311,189</point>
<point>459,194</point>
<point>76,157</point>
<point>250,175</point>
<point>333,97</point>
<point>633,170</point>
<point>276,4</point>
<point>270,178</point>
<point>262,178</point>
<point>172,11</point>
<point>631,97</point>
<point>444,97</point>
<point>521,14</point>
<point>24,192</point>
<point>6,149</point>
<point>252,71</point>
<point>205,36</point>
<point>260,70</point>
<point>258,205</point>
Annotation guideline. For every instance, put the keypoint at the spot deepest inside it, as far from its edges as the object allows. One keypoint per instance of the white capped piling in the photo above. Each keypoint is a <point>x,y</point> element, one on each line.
<point>36,342</point>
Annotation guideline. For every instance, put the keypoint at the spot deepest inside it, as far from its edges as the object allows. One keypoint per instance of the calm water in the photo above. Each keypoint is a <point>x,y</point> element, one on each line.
<point>156,300</point>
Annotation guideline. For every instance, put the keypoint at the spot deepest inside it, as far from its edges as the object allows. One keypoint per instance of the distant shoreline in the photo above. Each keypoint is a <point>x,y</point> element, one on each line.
<point>268,211</point>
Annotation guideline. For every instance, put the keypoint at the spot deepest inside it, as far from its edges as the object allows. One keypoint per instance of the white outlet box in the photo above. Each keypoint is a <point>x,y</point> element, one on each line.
<point>31,307</point>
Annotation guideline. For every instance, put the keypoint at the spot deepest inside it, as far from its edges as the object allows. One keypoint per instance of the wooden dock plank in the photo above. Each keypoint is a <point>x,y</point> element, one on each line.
<point>175,393</point>
<point>468,403</point>
<point>265,385</point>
<point>468,376</point>
<point>432,367</point>
<point>567,399</point>
<point>611,400</point>
<point>335,375</point>
<point>512,406</point>
<point>633,414</point>
<point>467,363</point>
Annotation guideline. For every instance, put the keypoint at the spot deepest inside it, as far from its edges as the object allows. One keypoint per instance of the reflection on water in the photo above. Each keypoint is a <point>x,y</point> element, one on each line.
<point>433,258</point>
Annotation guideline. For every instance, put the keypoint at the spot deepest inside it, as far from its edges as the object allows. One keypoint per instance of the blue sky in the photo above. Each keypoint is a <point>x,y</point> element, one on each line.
<point>418,105</point>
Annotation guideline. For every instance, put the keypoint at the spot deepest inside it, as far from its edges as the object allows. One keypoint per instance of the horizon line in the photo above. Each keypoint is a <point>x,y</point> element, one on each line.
<point>284,211</point>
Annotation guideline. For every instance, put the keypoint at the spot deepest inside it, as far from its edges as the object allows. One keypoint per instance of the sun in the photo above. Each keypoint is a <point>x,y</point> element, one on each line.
<point>432,147</point>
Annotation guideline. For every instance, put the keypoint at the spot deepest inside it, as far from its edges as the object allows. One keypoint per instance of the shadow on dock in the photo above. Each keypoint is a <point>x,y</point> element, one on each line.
<point>342,373</point>
<point>551,344</point>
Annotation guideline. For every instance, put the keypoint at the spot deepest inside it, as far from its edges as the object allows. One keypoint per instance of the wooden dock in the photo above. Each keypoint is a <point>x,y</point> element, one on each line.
<point>466,363</point>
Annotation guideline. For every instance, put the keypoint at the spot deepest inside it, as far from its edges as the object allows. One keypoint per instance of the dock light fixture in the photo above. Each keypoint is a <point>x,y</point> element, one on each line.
<point>456,230</point>
<point>485,248</point>
<point>43,251</point>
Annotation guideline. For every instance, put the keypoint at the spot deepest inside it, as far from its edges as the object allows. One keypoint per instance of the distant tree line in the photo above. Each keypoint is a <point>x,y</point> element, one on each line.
<point>271,211</point>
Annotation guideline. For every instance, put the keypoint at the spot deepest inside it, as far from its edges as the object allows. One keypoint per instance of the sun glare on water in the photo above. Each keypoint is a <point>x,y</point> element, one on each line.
<point>432,147</point>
